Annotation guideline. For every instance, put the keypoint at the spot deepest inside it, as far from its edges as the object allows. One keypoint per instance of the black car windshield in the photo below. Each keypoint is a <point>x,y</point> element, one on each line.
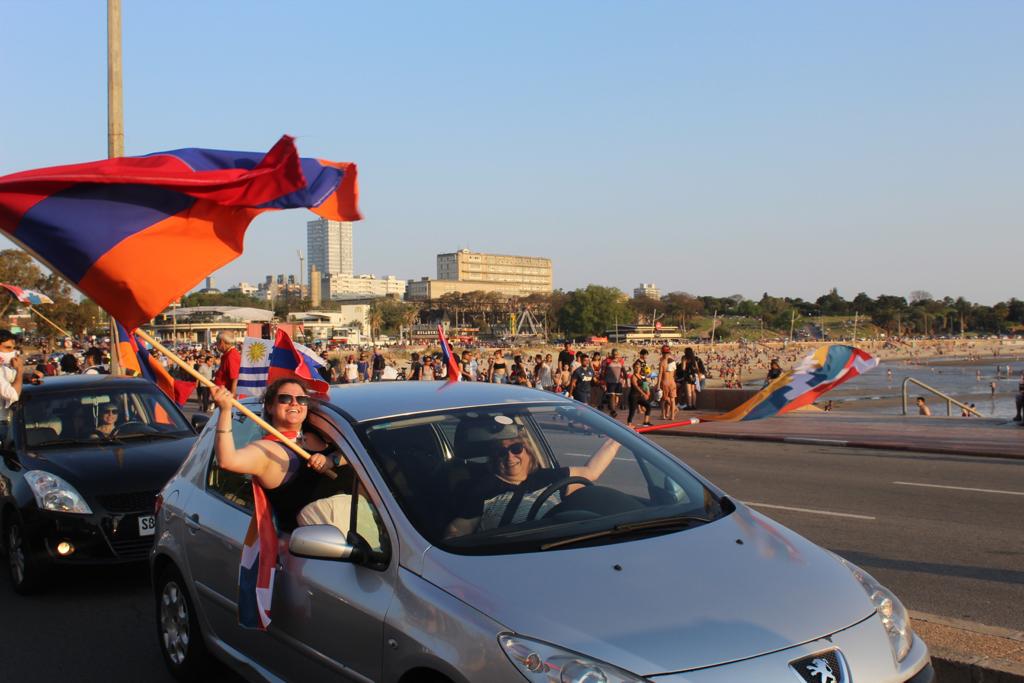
<point>98,416</point>
<point>518,478</point>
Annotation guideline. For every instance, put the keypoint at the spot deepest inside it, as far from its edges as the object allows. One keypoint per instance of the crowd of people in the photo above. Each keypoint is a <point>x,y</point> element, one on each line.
<point>665,379</point>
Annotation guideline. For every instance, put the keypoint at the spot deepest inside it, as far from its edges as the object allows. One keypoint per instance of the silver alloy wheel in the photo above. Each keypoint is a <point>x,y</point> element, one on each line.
<point>16,554</point>
<point>174,620</point>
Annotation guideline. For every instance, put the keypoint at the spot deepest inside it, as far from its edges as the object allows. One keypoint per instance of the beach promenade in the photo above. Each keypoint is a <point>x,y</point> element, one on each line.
<point>949,435</point>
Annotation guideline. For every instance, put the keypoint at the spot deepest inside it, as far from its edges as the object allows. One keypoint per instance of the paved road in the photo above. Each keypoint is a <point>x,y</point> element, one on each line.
<point>947,551</point>
<point>949,538</point>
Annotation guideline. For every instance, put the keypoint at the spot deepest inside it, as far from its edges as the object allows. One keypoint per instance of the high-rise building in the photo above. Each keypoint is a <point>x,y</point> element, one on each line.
<point>329,247</point>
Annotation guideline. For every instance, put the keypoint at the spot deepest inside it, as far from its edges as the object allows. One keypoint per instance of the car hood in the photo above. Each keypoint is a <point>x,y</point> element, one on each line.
<point>669,603</point>
<point>113,468</point>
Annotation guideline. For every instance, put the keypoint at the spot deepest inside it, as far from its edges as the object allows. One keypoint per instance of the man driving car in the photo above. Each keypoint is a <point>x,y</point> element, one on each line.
<point>515,480</point>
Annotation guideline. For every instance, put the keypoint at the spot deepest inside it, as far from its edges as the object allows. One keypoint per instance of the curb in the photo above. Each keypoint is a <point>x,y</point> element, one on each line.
<point>886,446</point>
<point>963,651</point>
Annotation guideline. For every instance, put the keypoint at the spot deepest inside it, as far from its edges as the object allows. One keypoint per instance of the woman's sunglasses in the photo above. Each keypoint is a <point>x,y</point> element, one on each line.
<point>288,399</point>
<point>112,411</point>
<point>514,448</point>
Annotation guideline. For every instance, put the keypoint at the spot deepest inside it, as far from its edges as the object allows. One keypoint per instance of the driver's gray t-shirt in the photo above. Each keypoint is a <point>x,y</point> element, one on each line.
<point>488,498</point>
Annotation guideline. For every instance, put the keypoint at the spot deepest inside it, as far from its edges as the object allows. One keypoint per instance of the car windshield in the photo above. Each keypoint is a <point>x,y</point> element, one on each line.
<point>54,419</point>
<point>522,478</point>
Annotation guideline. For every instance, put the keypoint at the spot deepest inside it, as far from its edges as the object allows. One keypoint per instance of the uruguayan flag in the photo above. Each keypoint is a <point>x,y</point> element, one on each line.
<point>252,376</point>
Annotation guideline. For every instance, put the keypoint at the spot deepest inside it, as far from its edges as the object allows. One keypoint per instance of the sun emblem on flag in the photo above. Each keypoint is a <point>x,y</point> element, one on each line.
<point>257,352</point>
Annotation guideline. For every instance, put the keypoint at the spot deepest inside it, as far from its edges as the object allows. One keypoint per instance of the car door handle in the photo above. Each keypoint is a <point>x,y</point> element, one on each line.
<point>192,521</point>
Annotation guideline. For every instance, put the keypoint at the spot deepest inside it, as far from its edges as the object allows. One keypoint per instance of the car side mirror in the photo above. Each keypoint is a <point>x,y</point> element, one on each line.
<point>322,542</point>
<point>199,421</point>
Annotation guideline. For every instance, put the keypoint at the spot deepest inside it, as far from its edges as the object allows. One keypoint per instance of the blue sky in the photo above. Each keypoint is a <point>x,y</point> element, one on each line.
<point>715,148</point>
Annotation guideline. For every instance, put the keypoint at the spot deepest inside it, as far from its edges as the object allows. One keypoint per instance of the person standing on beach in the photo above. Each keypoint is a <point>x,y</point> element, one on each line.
<point>667,381</point>
<point>582,380</point>
<point>613,381</point>
<point>565,356</point>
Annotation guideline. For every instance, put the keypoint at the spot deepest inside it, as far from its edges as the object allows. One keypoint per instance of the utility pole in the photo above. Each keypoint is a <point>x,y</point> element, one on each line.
<point>115,127</point>
<point>792,322</point>
<point>301,271</point>
<point>714,324</point>
<point>115,99</point>
<point>856,317</point>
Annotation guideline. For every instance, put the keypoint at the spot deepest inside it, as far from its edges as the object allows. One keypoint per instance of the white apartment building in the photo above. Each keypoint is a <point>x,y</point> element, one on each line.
<point>648,290</point>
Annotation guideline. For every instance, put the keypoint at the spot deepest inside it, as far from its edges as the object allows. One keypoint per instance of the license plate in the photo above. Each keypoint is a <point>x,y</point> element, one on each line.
<point>147,525</point>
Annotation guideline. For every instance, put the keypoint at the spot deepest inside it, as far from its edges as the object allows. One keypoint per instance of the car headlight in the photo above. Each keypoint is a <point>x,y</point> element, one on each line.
<point>53,493</point>
<point>889,609</point>
<point>545,663</point>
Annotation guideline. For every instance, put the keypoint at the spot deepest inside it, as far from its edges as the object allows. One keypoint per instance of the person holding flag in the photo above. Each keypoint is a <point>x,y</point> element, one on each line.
<point>281,487</point>
<point>451,361</point>
<point>275,468</point>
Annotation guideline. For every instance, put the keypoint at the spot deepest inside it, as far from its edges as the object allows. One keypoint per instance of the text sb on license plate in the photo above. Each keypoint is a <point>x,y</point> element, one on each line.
<point>147,525</point>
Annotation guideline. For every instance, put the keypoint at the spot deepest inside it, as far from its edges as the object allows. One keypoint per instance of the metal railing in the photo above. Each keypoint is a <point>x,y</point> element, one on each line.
<point>950,401</point>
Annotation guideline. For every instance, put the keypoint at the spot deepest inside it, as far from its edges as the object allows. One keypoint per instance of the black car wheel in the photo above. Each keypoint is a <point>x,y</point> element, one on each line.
<point>181,641</point>
<point>26,574</point>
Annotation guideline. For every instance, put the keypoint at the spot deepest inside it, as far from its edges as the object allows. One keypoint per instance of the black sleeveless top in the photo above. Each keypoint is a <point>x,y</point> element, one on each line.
<point>294,493</point>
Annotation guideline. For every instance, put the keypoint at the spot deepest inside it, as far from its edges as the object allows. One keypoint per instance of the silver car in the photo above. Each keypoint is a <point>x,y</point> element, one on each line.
<point>438,569</point>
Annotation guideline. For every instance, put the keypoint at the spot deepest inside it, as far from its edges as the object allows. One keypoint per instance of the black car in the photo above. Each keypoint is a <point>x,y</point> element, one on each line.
<point>81,462</point>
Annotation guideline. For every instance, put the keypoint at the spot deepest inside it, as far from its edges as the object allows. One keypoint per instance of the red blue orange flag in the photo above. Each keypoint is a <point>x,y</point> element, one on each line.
<point>257,567</point>
<point>135,233</point>
<point>454,374</point>
<point>287,362</point>
<point>136,360</point>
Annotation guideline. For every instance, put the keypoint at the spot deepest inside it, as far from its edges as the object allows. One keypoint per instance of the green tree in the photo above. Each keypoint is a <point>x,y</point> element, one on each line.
<point>224,299</point>
<point>592,310</point>
<point>832,303</point>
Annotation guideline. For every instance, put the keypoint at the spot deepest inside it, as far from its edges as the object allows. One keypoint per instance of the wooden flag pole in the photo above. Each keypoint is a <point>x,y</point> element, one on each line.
<point>52,324</point>
<point>299,450</point>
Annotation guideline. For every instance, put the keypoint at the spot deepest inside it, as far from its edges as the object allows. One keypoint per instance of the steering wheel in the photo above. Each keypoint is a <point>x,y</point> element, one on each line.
<point>550,491</point>
<point>131,427</point>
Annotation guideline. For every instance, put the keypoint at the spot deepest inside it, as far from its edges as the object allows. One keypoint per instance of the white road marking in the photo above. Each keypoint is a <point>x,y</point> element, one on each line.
<point>959,488</point>
<point>808,510</point>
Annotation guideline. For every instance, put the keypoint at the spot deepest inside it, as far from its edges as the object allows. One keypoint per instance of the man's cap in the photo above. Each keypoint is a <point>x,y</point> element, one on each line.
<point>665,349</point>
<point>486,429</point>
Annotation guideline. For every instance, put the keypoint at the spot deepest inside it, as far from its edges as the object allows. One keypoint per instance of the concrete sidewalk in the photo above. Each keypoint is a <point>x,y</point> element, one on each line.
<point>966,652</point>
<point>953,435</point>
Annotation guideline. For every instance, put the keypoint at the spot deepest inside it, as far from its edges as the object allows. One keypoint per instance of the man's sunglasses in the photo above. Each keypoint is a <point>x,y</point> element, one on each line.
<point>112,411</point>
<point>288,399</point>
